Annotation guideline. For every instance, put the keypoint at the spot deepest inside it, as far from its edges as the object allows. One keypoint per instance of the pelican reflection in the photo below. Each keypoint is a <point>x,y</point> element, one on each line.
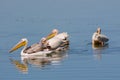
<point>98,49</point>
<point>20,66</point>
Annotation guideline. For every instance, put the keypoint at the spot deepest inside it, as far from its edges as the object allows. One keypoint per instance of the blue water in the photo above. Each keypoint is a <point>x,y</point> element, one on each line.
<point>34,19</point>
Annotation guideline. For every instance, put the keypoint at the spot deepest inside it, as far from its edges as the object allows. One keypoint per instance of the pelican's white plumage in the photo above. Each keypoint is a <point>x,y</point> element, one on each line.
<point>56,41</point>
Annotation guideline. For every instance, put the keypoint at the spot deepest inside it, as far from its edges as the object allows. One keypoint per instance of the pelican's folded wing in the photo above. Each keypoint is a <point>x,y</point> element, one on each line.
<point>103,38</point>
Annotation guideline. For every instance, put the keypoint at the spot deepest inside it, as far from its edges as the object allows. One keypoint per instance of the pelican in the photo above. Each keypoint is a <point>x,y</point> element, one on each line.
<point>98,38</point>
<point>51,45</point>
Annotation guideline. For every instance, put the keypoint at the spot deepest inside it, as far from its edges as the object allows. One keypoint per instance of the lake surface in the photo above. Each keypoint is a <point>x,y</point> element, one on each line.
<point>34,19</point>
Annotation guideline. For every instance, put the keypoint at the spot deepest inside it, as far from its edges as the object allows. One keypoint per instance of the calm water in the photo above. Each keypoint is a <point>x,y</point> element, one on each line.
<point>34,19</point>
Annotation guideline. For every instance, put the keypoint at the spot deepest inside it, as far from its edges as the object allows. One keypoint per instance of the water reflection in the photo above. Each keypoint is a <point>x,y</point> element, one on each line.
<point>39,61</point>
<point>20,66</point>
<point>98,49</point>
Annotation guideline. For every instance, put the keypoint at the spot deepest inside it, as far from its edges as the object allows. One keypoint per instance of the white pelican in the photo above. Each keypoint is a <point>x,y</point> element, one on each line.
<point>36,49</point>
<point>98,38</point>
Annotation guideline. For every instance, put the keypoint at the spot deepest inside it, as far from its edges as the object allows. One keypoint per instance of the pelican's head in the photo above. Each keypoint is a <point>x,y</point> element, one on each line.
<point>54,33</point>
<point>21,43</point>
<point>99,30</point>
<point>43,40</point>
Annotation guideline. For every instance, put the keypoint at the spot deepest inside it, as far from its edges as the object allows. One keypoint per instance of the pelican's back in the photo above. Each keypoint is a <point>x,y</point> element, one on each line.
<point>56,41</point>
<point>63,35</point>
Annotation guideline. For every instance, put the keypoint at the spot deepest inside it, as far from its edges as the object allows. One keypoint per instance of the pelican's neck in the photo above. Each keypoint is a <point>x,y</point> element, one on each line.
<point>25,45</point>
<point>94,36</point>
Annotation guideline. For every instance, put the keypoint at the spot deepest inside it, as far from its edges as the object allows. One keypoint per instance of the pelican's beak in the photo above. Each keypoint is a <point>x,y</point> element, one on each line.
<point>18,45</point>
<point>51,36</point>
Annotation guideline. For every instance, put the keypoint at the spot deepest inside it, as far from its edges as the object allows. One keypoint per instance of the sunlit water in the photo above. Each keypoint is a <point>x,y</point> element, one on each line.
<point>35,19</point>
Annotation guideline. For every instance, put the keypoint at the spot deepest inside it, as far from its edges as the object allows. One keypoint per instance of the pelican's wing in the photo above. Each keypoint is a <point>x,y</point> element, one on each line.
<point>63,36</point>
<point>56,41</point>
<point>33,48</point>
<point>103,38</point>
